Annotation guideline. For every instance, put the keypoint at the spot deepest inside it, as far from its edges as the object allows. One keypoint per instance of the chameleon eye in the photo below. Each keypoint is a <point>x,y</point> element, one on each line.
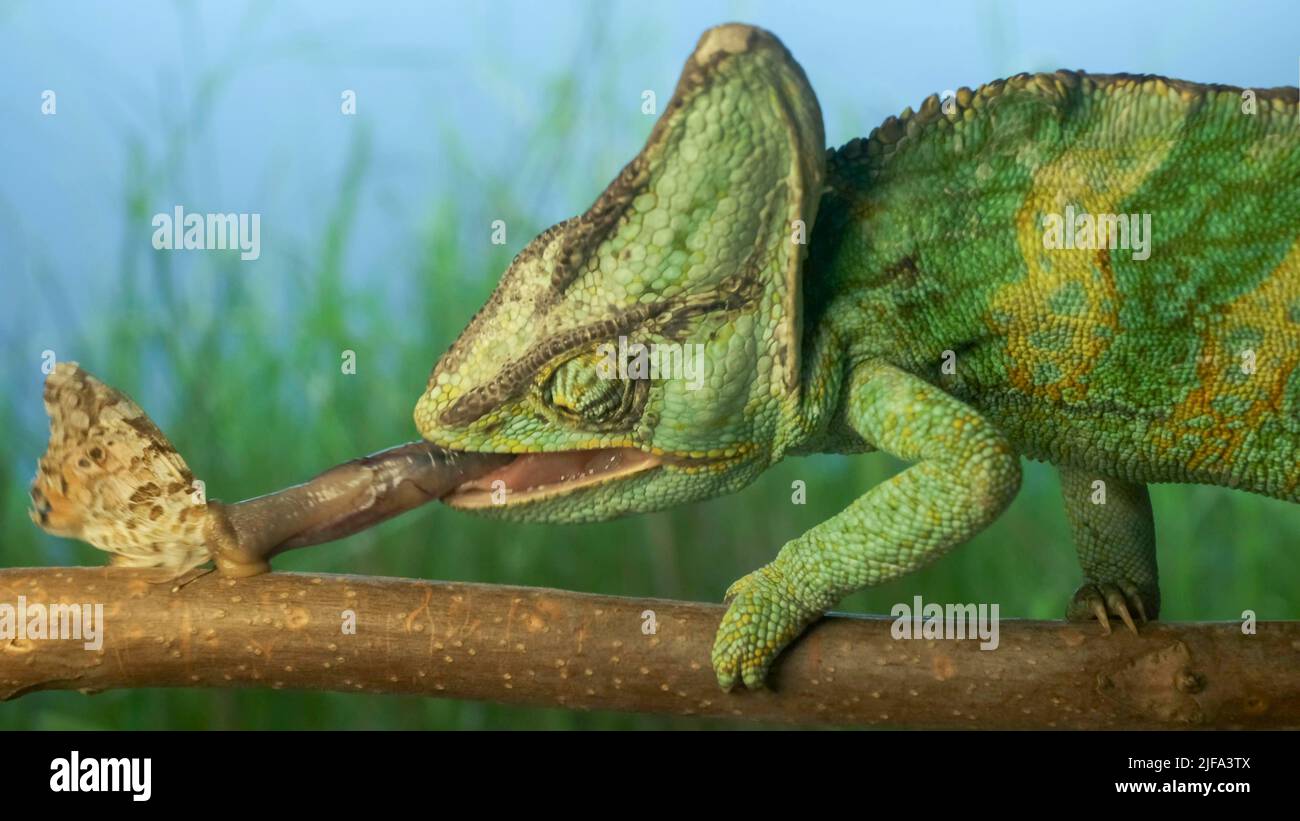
<point>582,390</point>
<point>577,389</point>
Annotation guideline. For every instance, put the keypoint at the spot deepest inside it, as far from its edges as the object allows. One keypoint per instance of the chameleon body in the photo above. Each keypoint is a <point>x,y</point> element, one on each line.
<point>928,248</point>
<point>940,291</point>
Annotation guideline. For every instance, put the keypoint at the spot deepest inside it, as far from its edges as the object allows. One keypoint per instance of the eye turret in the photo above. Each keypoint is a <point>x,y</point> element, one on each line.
<point>588,390</point>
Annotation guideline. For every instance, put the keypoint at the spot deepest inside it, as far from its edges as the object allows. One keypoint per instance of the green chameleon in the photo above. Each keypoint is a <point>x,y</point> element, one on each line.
<point>928,248</point>
<point>1099,271</point>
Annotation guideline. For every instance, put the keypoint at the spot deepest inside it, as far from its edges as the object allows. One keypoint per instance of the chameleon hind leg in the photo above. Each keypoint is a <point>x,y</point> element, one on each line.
<point>1114,534</point>
<point>965,474</point>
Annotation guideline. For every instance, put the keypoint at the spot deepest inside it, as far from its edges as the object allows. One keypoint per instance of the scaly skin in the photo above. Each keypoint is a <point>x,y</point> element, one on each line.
<point>927,249</point>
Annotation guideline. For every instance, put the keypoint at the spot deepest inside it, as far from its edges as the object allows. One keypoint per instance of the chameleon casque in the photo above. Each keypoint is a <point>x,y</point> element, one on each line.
<point>829,290</point>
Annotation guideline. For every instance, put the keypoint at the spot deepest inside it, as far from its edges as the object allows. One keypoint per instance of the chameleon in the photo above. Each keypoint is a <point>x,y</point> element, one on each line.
<point>911,293</point>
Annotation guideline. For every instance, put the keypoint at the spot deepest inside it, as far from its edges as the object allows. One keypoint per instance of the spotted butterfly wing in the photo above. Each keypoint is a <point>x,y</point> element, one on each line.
<point>110,477</point>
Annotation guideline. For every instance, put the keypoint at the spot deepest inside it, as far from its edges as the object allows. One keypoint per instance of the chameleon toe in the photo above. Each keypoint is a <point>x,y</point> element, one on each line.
<point>1101,600</point>
<point>1117,604</point>
<point>1135,596</point>
<point>762,619</point>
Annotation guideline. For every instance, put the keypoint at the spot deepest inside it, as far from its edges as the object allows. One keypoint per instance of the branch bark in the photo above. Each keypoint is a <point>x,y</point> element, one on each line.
<point>546,647</point>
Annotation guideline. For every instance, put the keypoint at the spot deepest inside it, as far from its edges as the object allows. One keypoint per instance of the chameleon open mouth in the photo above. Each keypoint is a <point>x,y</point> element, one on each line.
<point>534,476</point>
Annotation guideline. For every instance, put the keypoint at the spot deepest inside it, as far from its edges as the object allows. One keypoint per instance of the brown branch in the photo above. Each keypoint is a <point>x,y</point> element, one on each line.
<point>546,647</point>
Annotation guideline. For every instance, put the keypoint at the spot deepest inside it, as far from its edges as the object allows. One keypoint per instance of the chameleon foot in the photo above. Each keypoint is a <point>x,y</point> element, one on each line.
<point>765,615</point>
<point>1122,598</point>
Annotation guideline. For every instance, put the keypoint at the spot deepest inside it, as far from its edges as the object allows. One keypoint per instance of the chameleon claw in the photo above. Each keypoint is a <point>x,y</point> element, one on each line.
<point>1099,610</point>
<point>737,587</point>
<point>1122,599</point>
<point>1117,604</point>
<point>1134,596</point>
<point>1128,621</point>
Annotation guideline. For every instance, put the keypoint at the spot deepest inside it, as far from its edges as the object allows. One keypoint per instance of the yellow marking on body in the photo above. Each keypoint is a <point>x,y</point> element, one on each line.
<point>1094,178</point>
<point>1220,377</point>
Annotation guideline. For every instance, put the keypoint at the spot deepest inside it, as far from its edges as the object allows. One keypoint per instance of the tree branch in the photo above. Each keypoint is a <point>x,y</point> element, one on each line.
<point>546,647</point>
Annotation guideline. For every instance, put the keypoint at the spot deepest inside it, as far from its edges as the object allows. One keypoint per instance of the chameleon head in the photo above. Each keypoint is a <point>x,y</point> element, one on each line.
<point>646,353</point>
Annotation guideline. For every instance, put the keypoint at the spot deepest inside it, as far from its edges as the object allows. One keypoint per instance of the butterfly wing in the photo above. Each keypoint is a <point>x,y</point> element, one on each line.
<point>111,478</point>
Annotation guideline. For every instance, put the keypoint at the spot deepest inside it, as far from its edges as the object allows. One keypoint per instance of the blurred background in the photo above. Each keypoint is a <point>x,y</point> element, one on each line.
<point>375,234</point>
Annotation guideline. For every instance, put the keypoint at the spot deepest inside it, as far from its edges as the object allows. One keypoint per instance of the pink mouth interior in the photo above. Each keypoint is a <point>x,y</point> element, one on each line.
<point>533,473</point>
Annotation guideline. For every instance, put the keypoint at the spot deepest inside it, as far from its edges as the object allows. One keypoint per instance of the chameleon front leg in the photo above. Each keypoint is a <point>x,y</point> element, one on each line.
<point>1114,534</point>
<point>965,475</point>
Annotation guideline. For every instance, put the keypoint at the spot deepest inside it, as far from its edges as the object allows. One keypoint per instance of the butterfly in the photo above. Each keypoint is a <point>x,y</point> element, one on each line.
<point>111,478</point>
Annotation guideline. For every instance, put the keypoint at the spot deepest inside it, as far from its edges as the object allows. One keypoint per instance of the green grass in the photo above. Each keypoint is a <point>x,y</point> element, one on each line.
<point>251,393</point>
